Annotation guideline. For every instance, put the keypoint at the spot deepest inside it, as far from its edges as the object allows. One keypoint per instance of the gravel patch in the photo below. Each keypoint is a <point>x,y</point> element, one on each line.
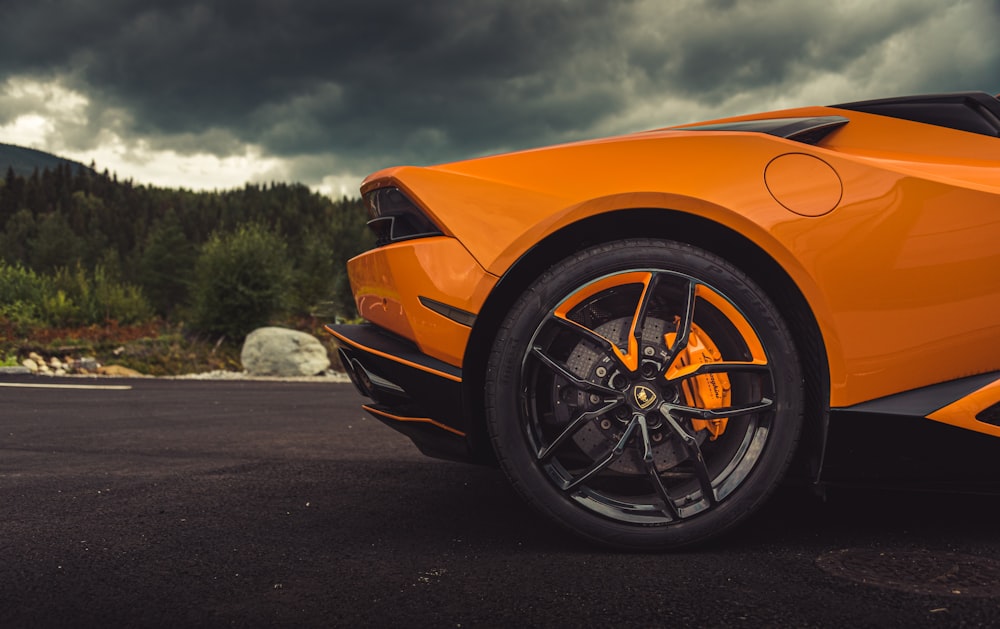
<point>329,376</point>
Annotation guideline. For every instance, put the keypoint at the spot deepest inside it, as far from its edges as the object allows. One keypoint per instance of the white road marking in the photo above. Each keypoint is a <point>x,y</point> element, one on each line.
<point>97,387</point>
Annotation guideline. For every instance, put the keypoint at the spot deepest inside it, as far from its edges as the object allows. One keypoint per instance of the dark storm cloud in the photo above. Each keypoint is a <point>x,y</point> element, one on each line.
<point>303,77</point>
<point>736,46</point>
<point>372,81</point>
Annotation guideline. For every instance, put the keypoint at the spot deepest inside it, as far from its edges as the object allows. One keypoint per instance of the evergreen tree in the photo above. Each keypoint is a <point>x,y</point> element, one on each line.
<point>151,236</point>
<point>19,230</point>
<point>55,244</point>
<point>166,264</point>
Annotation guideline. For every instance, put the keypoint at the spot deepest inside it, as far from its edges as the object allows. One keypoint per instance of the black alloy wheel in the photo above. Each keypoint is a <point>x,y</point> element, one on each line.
<point>644,394</point>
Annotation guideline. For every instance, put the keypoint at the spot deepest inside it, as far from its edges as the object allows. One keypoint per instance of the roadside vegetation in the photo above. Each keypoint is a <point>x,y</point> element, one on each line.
<point>162,280</point>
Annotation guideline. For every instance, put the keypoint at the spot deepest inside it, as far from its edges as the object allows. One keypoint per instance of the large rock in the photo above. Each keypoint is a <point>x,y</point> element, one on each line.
<point>118,371</point>
<point>283,352</point>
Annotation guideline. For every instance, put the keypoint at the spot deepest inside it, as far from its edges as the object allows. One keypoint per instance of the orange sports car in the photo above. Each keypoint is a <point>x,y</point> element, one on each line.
<point>647,331</point>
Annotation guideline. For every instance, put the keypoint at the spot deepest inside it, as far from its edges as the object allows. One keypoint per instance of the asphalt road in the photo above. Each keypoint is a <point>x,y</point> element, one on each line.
<point>189,503</point>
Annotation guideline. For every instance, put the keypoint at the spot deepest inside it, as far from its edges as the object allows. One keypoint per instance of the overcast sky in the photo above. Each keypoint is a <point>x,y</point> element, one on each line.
<point>215,94</point>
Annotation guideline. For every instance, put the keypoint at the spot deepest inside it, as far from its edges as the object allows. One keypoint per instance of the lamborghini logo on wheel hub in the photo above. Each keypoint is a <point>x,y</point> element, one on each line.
<point>644,396</point>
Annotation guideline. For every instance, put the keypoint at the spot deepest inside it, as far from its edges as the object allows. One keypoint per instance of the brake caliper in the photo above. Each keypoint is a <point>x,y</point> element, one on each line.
<point>708,391</point>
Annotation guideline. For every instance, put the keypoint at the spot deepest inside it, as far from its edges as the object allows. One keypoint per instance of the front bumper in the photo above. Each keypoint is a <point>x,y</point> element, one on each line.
<point>418,395</point>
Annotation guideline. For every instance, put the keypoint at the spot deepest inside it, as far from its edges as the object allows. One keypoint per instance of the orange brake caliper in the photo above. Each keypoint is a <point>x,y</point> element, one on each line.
<point>706,391</point>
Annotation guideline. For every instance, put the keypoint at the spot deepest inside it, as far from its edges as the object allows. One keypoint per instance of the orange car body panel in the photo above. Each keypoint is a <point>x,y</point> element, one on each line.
<point>435,268</point>
<point>904,296</point>
<point>963,412</point>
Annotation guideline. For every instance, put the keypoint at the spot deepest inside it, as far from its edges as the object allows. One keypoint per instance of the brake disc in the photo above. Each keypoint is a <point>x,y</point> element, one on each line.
<point>598,436</point>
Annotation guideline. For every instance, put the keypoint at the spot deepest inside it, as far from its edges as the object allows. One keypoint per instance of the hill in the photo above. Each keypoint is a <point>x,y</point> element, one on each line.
<point>25,161</point>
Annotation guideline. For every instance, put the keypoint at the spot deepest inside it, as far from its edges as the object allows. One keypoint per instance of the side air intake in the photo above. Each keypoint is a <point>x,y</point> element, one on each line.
<point>805,130</point>
<point>990,415</point>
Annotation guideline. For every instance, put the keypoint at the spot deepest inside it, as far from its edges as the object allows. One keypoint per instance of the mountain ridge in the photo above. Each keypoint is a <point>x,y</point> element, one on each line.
<point>24,161</point>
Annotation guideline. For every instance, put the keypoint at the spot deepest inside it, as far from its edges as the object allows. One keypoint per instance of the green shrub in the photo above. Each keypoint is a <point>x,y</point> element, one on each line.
<point>60,310</point>
<point>20,284</point>
<point>22,292</point>
<point>123,303</point>
<point>94,297</point>
<point>68,298</point>
<point>241,282</point>
<point>23,315</point>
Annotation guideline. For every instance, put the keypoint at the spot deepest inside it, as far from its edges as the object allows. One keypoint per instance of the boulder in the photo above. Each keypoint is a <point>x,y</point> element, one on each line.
<point>118,371</point>
<point>87,364</point>
<point>282,352</point>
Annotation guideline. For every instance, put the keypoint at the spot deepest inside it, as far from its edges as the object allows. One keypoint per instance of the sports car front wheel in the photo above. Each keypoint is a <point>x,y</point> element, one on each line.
<point>644,394</point>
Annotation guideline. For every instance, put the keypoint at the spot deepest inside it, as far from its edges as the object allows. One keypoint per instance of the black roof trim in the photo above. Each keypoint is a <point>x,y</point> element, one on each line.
<point>806,130</point>
<point>975,112</point>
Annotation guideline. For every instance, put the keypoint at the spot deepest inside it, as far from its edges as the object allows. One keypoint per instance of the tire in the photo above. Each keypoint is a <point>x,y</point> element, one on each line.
<point>644,394</point>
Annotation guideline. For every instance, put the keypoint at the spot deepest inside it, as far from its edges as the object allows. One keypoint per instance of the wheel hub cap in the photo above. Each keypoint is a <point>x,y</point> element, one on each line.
<point>643,396</point>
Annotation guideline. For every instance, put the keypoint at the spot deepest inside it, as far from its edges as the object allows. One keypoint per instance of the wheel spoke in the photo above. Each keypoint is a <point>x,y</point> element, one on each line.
<point>634,338</point>
<point>580,383</point>
<point>683,326</point>
<point>694,450</point>
<point>607,346</point>
<point>639,319</point>
<point>613,455</point>
<point>669,508</point>
<point>718,413</point>
<point>629,357</point>
<point>722,366</point>
<point>575,425</point>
